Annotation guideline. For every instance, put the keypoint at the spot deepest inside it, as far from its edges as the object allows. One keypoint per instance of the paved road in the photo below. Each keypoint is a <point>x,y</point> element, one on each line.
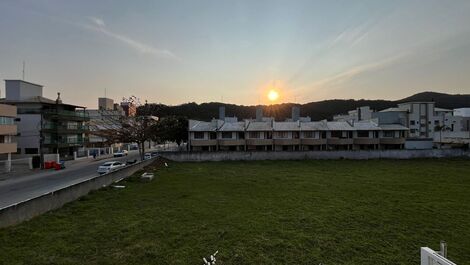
<point>15,190</point>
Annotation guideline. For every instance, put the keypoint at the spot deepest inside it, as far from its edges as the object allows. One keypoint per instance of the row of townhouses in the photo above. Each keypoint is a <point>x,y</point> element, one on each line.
<point>297,133</point>
<point>412,125</point>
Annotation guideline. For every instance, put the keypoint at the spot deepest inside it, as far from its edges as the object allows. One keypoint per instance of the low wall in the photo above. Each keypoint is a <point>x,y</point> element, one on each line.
<point>28,209</point>
<point>300,155</point>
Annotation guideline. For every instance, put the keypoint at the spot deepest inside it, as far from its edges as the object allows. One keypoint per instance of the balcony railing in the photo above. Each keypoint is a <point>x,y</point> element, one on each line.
<point>65,141</point>
<point>67,113</point>
<point>68,127</point>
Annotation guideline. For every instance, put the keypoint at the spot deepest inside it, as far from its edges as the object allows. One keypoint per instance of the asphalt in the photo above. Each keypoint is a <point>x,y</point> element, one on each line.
<point>15,190</point>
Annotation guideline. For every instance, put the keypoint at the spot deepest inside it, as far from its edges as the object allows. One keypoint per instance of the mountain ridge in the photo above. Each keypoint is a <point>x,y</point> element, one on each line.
<point>318,110</point>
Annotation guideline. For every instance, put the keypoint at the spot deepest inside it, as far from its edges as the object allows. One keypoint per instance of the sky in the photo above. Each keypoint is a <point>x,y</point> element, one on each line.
<point>175,52</point>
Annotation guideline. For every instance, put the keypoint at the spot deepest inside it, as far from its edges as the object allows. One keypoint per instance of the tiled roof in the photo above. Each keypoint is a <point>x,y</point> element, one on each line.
<point>259,126</point>
<point>233,127</point>
<point>339,126</point>
<point>203,126</point>
<point>366,126</point>
<point>286,126</point>
<point>314,126</point>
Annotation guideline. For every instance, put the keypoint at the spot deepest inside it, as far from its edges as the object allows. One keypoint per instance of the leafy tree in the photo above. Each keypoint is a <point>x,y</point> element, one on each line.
<point>171,129</point>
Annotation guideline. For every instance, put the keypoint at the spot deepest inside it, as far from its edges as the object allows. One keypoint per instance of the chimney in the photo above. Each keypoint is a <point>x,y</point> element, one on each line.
<point>58,100</point>
<point>259,113</point>
<point>295,113</point>
<point>222,113</point>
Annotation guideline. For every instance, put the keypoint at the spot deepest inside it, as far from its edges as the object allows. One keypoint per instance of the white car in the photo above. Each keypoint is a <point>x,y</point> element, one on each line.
<point>147,156</point>
<point>109,166</point>
<point>121,153</point>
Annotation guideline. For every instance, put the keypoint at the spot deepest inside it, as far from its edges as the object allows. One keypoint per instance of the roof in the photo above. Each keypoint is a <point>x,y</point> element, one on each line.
<point>37,99</point>
<point>286,126</point>
<point>442,109</point>
<point>393,127</point>
<point>259,126</point>
<point>313,126</point>
<point>203,126</point>
<point>233,127</point>
<point>19,80</point>
<point>393,109</point>
<point>339,126</point>
<point>366,126</point>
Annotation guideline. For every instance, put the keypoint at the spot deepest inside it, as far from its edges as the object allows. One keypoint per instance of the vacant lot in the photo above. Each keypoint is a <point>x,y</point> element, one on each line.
<point>273,212</point>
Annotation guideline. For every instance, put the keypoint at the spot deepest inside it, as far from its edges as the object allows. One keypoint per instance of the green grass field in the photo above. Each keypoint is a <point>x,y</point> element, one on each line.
<point>272,212</point>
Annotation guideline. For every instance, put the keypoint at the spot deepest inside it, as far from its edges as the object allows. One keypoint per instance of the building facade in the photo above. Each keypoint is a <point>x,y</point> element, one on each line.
<point>8,129</point>
<point>45,126</point>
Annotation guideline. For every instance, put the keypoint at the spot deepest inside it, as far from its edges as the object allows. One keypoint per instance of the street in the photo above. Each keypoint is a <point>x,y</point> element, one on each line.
<point>15,190</point>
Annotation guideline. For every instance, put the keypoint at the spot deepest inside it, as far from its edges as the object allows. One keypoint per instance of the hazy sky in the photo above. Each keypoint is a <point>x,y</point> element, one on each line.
<point>182,51</point>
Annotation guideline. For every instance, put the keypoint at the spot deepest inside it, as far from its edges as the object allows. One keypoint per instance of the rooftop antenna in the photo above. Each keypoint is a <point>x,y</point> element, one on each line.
<point>23,68</point>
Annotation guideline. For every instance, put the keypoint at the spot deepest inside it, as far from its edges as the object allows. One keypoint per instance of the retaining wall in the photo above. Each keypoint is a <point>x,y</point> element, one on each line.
<point>28,209</point>
<point>301,155</point>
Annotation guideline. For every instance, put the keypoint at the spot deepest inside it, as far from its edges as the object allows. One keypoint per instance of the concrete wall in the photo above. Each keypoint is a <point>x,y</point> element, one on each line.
<point>301,155</point>
<point>28,129</point>
<point>28,209</point>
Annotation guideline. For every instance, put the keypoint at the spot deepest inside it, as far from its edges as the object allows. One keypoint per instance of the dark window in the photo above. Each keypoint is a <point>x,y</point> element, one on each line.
<point>269,135</point>
<point>412,122</point>
<point>363,134</point>
<point>241,135</point>
<point>226,135</point>
<point>308,134</point>
<point>30,151</point>
<point>254,135</point>
<point>295,135</point>
<point>212,135</point>
<point>336,134</point>
<point>323,135</point>
<point>198,135</point>
<point>389,134</point>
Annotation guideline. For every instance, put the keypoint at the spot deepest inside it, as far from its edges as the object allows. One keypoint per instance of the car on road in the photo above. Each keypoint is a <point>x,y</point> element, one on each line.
<point>109,166</point>
<point>147,156</point>
<point>121,153</point>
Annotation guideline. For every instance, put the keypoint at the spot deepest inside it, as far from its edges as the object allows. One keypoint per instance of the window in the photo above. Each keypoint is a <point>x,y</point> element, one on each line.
<point>30,151</point>
<point>412,122</point>
<point>6,120</point>
<point>308,134</point>
<point>198,135</point>
<point>389,134</point>
<point>282,135</point>
<point>336,134</point>
<point>363,134</point>
<point>226,135</point>
<point>241,135</point>
<point>436,122</point>
<point>295,135</point>
<point>412,130</point>
<point>212,135</point>
<point>254,135</point>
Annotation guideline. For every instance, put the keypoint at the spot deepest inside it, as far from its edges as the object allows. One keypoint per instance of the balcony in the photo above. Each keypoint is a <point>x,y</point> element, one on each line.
<point>286,141</point>
<point>69,128</point>
<point>199,142</point>
<point>365,141</point>
<point>392,140</point>
<point>340,141</point>
<point>312,141</point>
<point>8,129</point>
<point>259,141</point>
<point>65,142</point>
<point>6,148</point>
<point>231,142</point>
<point>66,115</point>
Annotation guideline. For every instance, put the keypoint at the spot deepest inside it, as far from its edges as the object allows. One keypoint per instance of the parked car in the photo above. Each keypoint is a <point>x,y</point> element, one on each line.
<point>121,153</point>
<point>109,166</point>
<point>155,154</point>
<point>147,156</point>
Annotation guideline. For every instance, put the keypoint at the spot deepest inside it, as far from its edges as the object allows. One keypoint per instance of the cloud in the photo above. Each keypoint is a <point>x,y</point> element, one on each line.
<point>358,70</point>
<point>98,25</point>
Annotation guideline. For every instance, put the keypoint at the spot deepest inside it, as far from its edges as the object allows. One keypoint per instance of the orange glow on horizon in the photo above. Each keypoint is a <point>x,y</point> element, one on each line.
<point>273,95</point>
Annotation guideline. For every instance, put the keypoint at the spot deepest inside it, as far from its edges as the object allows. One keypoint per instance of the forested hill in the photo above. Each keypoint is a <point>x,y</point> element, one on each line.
<point>316,110</point>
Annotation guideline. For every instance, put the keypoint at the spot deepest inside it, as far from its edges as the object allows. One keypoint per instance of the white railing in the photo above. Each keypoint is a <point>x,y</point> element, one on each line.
<point>431,257</point>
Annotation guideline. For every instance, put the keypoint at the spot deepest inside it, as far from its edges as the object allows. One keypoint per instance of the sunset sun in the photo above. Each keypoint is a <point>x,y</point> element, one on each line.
<point>273,95</point>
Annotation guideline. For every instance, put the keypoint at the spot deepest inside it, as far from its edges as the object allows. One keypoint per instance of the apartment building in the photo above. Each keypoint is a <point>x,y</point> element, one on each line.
<point>106,117</point>
<point>295,134</point>
<point>45,125</point>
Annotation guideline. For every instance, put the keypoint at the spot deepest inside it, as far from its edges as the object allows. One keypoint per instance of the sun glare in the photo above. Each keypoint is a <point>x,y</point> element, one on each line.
<point>273,95</point>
